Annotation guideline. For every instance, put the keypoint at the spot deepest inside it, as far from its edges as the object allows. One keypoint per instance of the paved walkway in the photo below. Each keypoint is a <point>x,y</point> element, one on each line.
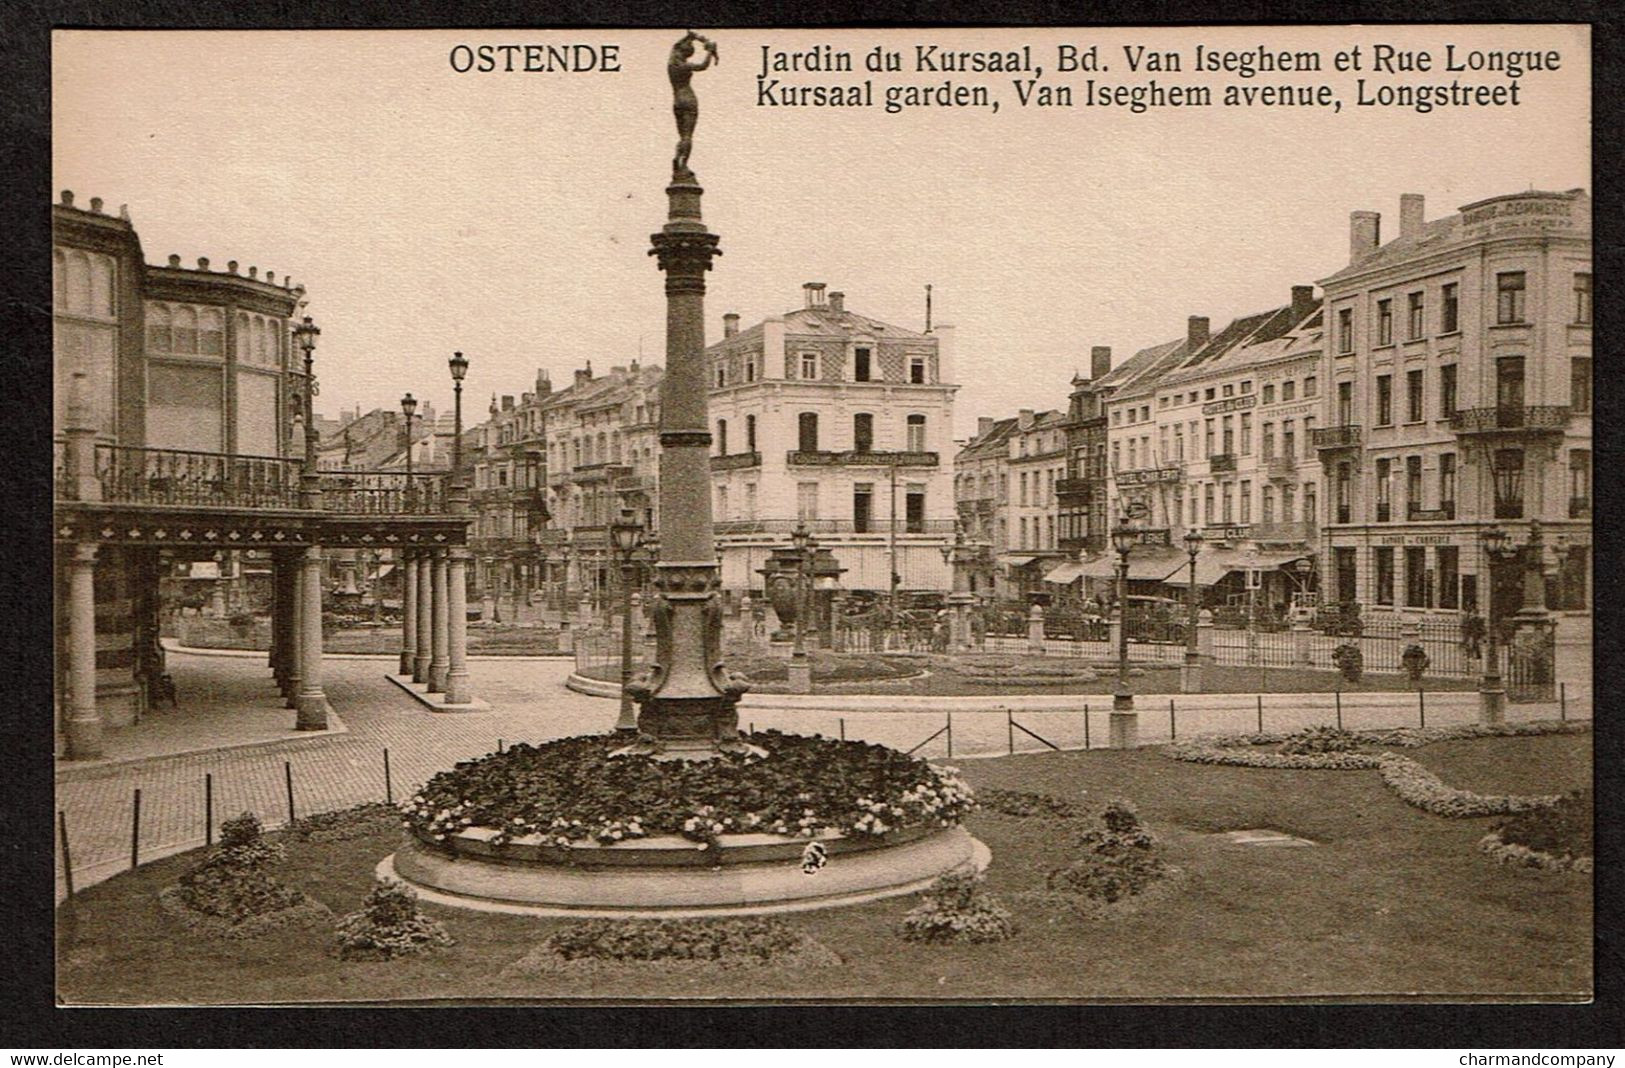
<point>530,703</point>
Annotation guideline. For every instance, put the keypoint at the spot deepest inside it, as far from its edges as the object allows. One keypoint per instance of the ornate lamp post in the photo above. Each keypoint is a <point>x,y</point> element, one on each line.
<point>305,335</point>
<point>1193,656</point>
<point>957,555</point>
<point>688,703</point>
<point>1123,540</point>
<point>459,367</point>
<point>1491,694</point>
<point>310,700</point>
<point>409,407</point>
<point>627,535</point>
<point>806,546</point>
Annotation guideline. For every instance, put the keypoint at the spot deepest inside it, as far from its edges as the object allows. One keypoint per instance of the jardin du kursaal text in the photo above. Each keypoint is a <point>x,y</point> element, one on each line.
<point>1139,78</point>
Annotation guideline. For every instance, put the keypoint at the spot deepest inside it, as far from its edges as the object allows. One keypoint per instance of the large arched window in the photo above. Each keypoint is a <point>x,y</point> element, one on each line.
<point>807,432</point>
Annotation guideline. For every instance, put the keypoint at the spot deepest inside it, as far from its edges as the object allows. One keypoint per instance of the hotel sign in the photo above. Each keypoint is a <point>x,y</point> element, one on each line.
<point>1416,539</point>
<point>1230,404</point>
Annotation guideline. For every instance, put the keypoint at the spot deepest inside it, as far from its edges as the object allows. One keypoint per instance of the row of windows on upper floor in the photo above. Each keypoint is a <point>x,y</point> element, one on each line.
<point>1511,308</point>
<point>1288,391</point>
<point>809,368</point>
<point>863,433</point>
<point>1509,392</point>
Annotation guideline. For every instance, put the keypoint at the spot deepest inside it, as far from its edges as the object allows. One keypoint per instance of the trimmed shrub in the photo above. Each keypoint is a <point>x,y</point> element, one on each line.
<point>230,894</point>
<point>1118,860</point>
<point>1026,804</point>
<point>1320,740</point>
<point>347,824</point>
<point>389,925</point>
<point>1415,661</point>
<point>736,942</point>
<point>1349,660</point>
<point>957,909</point>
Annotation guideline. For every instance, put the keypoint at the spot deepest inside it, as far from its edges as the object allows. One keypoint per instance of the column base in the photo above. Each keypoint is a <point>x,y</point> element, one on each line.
<point>420,669</point>
<point>1190,676</point>
<point>799,676</point>
<point>457,689</point>
<point>1492,706</point>
<point>406,664</point>
<point>83,737</point>
<point>1123,729</point>
<point>312,708</point>
<point>437,677</point>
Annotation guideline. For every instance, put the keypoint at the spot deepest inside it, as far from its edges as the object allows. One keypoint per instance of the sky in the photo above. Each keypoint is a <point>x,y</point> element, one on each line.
<point>507,215</point>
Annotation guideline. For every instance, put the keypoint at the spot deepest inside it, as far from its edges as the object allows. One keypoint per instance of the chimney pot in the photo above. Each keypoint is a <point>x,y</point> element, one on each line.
<point>1303,299</point>
<point>814,292</point>
<point>1365,234</point>
<point>174,260</point>
<point>730,324</point>
<point>96,205</point>
<point>1100,361</point>
<point>67,198</point>
<point>507,402</point>
<point>1196,332</point>
<point>203,263</point>
<point>837,302</point>
<point>984,426</point>
<point>1411,214</point>
<point>231,266</point>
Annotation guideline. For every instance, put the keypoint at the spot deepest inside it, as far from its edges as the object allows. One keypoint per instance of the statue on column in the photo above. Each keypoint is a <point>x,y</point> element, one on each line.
<point>685,105</point>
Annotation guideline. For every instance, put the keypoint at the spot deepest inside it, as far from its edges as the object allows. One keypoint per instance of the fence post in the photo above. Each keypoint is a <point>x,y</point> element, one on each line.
<point>950,730</point>
<point>287,774</point>
<point>1562,702</point>
<point>135,829</point>
<point>1339,695</point>
<point>1086,726</point>
<point>1260,699</point>
<point>1010,730</point>
<point>1421,708</point>
<point>389,791</point>
<point>67,856</point>
<point>208,809</point>
<point>843,728</point>
<point>499,745</point>
<point>1173,731</point>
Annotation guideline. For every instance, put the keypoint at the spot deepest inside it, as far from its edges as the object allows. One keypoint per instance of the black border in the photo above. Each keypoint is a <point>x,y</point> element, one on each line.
<point>29,1018</point>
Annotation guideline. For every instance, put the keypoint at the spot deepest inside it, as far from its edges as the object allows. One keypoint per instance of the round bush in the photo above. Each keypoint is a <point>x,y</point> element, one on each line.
<point>572,790</point>
<point>957,909</point>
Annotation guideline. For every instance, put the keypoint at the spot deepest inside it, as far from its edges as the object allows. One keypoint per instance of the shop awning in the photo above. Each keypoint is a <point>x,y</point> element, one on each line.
<point>1017,561</point>
<point>1143,565</point>
<point>1214,564</point>
<point>1067,571</point>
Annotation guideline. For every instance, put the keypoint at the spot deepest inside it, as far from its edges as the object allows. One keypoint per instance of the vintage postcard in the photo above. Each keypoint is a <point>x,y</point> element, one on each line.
<point>748,515</point>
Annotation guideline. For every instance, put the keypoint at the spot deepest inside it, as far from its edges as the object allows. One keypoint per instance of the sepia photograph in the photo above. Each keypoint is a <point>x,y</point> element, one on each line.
<point>851,515</point>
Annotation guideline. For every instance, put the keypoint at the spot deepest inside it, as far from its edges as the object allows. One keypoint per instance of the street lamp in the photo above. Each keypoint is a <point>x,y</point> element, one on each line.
<point>805,546</point>
<point>459,367</point>
<point>1193,545</point>
<point>409,407</point>
<point>1491,694</point>
<point>627,535</point>
<point>1123,539</point>
<point>305,335</point>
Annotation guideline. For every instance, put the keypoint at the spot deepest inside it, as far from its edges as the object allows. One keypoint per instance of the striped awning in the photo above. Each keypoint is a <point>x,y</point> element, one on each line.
<point>1145,565</point>
<point>1065,572</point>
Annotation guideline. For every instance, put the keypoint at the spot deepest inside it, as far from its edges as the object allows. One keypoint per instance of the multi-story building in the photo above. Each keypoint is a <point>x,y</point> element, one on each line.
<point>1459,374</point>
<point>982,496</point>
<point>1036,462</point>
<point>1080,497</point>
<point>179,394</point>
<point>842,422</point>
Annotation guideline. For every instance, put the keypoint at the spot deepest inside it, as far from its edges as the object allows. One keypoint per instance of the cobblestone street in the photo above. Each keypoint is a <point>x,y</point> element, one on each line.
<point>530,703</point>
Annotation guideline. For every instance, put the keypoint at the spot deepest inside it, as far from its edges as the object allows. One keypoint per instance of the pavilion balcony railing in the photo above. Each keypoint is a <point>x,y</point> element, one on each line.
<point>735,461</point>
<point>131,474</point>
<point>1538,417</point>
<point>1074,487</point>
<point>853,458</point>
<point>821,527</point>
<point>1336,437</point>
<point>1280,467</point>
<point>383,493</point>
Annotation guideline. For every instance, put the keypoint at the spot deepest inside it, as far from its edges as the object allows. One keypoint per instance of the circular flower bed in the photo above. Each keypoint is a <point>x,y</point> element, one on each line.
<point>572,790</point>
<point>1328,748</point>
<point>1558,837</point>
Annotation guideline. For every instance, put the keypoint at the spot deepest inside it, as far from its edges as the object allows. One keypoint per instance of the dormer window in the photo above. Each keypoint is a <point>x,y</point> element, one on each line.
<point>809,366</point>
<point>916,370</point>
<point>861,369</point>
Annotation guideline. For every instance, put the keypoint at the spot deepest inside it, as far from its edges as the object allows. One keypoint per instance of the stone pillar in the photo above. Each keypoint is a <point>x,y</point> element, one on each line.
<point>1123,729</point>
<point>1410,632</point>
<point>799,674</point>
<point>311,702</point>
<point>83,730</point>
<point>1204,636</point>
<point>567,638</point>
<point>457,690</point>
<point>294,664</point>
<point>424,652</point>
<point>409,611</point>
<point>1035,630</point>
<point>1301,635</point>
<point>279,641</point>
<point>1114,631</point>
<point>217,599</point>
<point>584,610</point>
<point>440,625</point>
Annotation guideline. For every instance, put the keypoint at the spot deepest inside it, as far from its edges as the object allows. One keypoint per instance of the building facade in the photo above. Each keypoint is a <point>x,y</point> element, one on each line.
<point>1080,497</point>
<point>1459,373</point>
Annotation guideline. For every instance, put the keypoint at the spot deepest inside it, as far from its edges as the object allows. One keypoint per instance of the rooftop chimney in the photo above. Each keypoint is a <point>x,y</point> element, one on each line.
<point>730,324</point>
<point>984,426</point>
<point>1365,234</point>
<point>1410,215</point>
<point>1100,361</point>
<point>1196,332</point>
<point>96,204</point>
<point>837,302</point>
<point>507,402</point>
<point>1024,418</point>
<point>544,385</point>
<point>813,292</point>
<point>583,374</point>
<point>67,198</point>
<point>1303,299</point>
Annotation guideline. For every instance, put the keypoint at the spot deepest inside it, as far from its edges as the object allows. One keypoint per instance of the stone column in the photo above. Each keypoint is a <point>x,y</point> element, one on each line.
<point>279,641</point>
<point>440,625</point>
<point>584,610</point>
<point>217,599</point>
<point>294,664</point>
<point>1035,630</point>
<point>311,702</point>
<point>83,730</point>
<point>457,689</point>
<point>1301,635</point>
<point>424,652</point>
<point>409,611</point>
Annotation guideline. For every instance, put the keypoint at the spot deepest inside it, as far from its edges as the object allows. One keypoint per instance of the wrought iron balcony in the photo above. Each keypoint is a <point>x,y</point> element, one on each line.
<point>1074,487</point>
<point>1416,513</point>
<point>1282,466</point>
<point>130,474</point>
<point>1328,438</point>
<point>853,458</point>
<point>735,461</point>
<point>383,493</point>
<point>1221,462</point>
<point>1538,418</point>
<point>822,527</point>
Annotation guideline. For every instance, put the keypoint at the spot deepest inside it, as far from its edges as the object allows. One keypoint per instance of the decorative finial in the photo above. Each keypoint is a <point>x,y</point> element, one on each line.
<point>685,105</point>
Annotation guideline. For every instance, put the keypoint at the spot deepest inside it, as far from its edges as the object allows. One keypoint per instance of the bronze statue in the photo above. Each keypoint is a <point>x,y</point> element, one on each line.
<point>685,105</point>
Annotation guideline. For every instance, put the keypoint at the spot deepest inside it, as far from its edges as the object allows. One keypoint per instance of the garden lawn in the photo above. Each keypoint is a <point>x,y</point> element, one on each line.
<point>1393,901</point>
